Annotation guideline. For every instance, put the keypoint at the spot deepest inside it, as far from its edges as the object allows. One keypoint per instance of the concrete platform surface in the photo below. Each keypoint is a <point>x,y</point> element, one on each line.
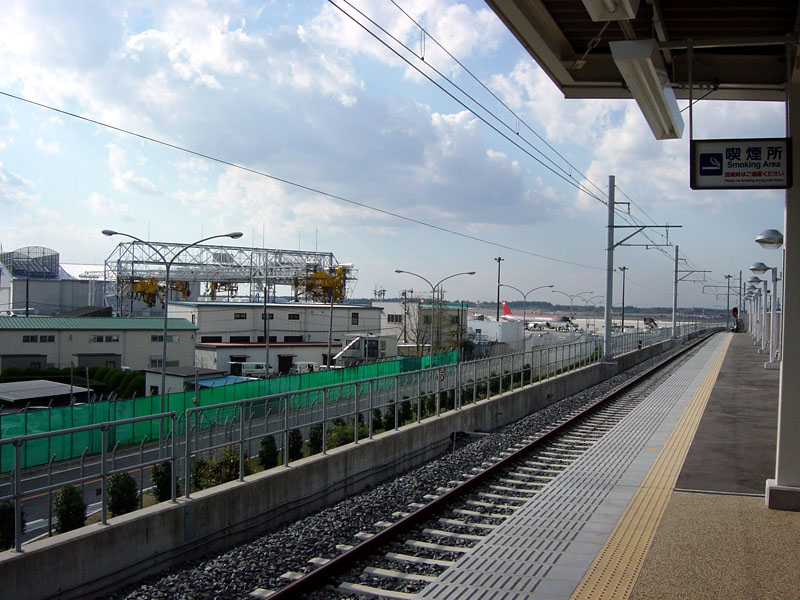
<point>720,540</point>
<point>722,546</point>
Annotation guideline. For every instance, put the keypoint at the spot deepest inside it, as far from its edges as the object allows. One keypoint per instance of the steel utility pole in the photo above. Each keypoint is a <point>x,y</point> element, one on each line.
<point>499,259</point>
<point>622,325</point>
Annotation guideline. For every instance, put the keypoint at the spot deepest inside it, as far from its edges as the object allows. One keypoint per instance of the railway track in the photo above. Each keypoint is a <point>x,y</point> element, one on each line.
<point>397,559</point>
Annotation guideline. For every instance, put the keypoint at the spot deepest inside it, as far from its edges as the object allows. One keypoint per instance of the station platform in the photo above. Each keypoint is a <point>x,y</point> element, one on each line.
<point>670,504</point>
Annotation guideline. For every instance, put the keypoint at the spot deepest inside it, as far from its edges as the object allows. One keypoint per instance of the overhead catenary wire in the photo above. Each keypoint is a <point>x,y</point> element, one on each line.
<point>518,118</point>
<point>561,176</point>
<point>426,34</point>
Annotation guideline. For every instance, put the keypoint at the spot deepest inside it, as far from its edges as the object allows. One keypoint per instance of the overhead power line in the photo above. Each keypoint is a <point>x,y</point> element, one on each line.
<point>295,184</point>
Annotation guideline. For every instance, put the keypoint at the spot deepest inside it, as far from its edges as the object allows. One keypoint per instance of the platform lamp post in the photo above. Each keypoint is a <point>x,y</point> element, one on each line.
<point>167,266</point>
<point>763,332</point>
<point>756,294</point>
<point>433,297</point>
<point>760,268</point>
<point>772,239</point>
<point>571,298</point>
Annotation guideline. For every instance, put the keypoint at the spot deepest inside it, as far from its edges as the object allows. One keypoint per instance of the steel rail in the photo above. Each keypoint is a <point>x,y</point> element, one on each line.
<point>346,559</point>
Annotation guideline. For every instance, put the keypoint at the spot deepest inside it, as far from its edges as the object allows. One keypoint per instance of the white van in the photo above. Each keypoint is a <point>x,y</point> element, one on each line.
<point>304,366</point>
<point>254,369</point>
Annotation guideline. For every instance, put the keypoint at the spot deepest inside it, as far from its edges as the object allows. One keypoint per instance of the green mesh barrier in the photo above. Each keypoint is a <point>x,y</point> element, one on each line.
<point>72,445</point>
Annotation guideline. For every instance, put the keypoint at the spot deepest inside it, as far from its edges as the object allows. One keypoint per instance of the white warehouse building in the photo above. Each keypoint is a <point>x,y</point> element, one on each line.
<point>233,332</point>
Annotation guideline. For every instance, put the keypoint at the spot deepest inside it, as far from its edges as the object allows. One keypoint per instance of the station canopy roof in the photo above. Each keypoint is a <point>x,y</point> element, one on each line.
<point>739,47</point>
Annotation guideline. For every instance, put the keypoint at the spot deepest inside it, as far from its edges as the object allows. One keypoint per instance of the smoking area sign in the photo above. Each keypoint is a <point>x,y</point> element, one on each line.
<point>741,164</point>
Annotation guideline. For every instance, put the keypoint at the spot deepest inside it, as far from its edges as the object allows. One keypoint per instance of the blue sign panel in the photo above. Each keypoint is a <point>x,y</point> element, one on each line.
<point>710,164</point>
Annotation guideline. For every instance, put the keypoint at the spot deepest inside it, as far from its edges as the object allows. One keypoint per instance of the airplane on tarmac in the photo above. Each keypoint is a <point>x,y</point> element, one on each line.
<point>536,321</point>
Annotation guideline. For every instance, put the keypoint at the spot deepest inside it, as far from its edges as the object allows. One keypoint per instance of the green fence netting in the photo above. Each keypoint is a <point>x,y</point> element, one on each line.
<point>72,445</point>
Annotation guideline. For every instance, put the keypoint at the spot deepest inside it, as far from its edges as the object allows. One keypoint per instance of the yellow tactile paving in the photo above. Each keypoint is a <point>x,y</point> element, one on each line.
<point>614,570</point>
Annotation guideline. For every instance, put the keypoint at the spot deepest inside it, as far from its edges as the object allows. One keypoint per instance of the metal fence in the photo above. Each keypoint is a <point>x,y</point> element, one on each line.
<point>355,410</point>
<point>100,471</point>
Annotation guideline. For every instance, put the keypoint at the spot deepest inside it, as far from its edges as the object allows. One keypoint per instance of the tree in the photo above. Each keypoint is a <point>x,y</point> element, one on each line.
<point>70,509</point>
<point>123,497</point>
<point>267,455</point>
<point>7,524</point>
<point>295,444</point>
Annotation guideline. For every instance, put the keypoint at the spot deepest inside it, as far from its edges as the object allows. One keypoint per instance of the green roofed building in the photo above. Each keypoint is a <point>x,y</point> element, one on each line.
<point>42,342</point>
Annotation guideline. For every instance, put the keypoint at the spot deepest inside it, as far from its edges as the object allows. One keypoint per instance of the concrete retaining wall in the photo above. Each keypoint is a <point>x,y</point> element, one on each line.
<point>92,559</point>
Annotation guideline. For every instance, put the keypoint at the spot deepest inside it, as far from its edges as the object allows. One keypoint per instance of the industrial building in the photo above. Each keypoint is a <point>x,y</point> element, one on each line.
<point>32,282</point>
<point>41,342</point>
<point>408,321</point>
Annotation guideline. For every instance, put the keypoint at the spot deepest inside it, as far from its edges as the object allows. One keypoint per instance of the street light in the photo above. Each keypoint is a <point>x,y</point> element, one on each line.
<point>588,302</point>
<point>525,297</point>
<point>571,298</point>
<point>433,297</point>
<point>235,235</point>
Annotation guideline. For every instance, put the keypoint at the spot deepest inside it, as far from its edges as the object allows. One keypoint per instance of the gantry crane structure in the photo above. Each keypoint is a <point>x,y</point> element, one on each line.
<point>135,271</point>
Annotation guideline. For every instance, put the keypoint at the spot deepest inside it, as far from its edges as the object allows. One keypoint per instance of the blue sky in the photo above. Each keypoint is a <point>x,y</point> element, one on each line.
<point>299,92</point>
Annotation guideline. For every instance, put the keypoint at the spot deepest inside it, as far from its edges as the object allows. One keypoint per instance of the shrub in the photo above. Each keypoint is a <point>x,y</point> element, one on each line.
<point>134,387</point>
<point>208,473</point>
<point>115,379</point>
<point>267,455</point>
<point>11,372</point>
<point>69,509</point>
<point>295,444</point>
<point>225,468</point>
<point>406,414</point>
<point>429,405</point>
<point>106,377</point>
<point>377,420</point>
<point>162,485</point>
<point>314,439</point>
<point>123,497</point>
<point>126,380</point>
<point>342,433</point>
<point>201,472</point>
<point>7,524</point>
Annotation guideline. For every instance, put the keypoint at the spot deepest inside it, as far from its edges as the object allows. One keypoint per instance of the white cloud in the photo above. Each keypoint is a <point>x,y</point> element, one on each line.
<point>99,205</point>
<point>15,189</point>
<point>126,180</point>
<point>529,91</point>
<point>47,147</point>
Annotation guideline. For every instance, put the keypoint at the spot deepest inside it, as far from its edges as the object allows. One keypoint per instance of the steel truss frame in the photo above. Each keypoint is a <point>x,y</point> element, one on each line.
<point>225,266</point>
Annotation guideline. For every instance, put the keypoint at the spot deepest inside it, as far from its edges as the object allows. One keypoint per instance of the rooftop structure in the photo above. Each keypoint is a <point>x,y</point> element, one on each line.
<point>136,270</point>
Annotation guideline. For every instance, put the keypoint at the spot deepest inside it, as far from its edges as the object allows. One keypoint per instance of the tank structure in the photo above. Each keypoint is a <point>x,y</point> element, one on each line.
<point>32,262</point>
<point>135,272</point>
